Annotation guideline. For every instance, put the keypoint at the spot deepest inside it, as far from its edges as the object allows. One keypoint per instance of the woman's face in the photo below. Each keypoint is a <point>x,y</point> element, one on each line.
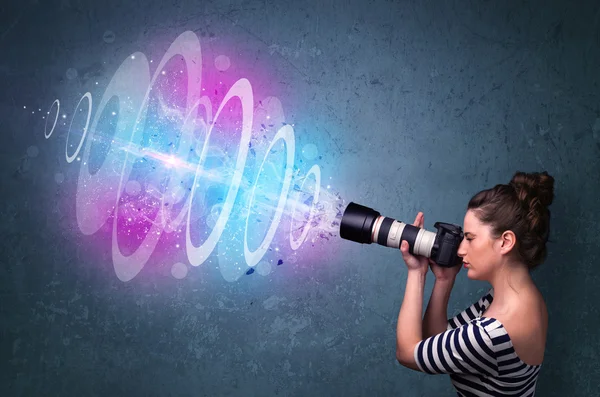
<point>477,249</point>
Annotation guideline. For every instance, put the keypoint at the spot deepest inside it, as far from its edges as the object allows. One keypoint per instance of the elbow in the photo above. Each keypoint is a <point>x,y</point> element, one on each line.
<point>401,357</point>
<point>407,360</point>
<point>405,355</point>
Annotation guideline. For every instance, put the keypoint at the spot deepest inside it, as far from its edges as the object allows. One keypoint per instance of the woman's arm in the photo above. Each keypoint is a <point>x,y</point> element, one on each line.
<point>409,327</point>
<point>436,316</point>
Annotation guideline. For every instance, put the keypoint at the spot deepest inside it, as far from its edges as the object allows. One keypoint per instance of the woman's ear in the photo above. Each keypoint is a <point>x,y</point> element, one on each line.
<point>508,241</point>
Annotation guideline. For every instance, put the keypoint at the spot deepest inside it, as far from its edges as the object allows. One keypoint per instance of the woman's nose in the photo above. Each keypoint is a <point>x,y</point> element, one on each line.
<point>461,249</point>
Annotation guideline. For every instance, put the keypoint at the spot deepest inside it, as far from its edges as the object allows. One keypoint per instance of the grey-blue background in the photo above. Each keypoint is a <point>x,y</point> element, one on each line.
<point>414,105</point>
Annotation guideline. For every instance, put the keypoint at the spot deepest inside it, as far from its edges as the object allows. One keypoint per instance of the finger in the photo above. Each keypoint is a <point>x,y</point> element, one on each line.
<point>422,220</point>
<point>419,220</point>
<point>404,249</point>
<point>416,222</point>
<point>404,246</point>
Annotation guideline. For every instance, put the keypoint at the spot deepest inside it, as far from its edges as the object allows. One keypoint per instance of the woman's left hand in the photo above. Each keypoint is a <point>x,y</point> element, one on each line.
<point>415,262</point>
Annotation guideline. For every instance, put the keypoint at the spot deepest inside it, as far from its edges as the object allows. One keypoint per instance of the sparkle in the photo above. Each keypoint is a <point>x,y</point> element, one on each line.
<point>179,185</point>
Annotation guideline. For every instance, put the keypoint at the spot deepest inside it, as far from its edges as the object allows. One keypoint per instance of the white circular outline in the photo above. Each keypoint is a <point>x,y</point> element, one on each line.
<point>295,244</point>
<point>87,181</point>
<point>128,266</point>
<point>241,89</point>
<point>205,102</point>
<point>55,119</point>
<point>285,133</point>
<point>85,129</point>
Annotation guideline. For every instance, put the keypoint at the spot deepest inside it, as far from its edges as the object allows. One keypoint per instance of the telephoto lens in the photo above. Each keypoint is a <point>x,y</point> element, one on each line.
<point>365,225</point>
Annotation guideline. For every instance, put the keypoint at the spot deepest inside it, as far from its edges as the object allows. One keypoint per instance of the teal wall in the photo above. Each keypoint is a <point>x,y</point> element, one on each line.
<point>413,105</point>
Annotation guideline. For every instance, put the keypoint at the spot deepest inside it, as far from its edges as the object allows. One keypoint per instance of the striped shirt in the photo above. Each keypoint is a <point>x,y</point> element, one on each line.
<point>478,354</point>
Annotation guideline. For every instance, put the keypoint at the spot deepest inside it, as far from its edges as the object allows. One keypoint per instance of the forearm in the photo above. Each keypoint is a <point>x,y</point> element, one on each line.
<point>435,320</point>
<point>409,327</point>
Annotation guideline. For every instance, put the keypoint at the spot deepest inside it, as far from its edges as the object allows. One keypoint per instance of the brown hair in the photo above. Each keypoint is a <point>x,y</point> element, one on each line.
<point>522,207</point>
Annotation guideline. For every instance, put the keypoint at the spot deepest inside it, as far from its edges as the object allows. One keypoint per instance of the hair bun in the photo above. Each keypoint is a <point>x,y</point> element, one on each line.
<point>522,207</point>
<point>534,186</point>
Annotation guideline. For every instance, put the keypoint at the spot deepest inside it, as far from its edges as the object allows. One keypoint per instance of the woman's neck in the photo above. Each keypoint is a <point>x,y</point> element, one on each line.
<point>508,282</point>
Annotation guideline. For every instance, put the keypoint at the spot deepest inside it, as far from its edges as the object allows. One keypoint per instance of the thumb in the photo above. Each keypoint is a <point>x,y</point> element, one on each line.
<point>404,246</point>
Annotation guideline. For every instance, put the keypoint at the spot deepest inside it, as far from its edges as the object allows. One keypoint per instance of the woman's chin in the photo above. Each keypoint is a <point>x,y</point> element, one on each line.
<point>471,274</point>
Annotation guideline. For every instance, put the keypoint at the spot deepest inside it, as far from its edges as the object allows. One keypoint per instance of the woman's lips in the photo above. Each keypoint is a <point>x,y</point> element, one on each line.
<point>465,264</point>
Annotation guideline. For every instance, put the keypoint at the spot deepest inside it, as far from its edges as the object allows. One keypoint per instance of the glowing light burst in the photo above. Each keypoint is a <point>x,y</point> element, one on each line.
<point>170,176</point>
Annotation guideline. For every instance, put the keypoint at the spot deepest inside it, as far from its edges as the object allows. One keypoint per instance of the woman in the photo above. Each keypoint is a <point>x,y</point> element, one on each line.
<point>496,346</point>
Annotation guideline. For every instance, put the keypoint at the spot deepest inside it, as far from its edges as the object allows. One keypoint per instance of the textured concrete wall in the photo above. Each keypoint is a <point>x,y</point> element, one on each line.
<point>411,105</point>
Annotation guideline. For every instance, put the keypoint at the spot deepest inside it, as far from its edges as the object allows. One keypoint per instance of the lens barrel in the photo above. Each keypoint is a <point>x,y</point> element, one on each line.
<point>365,225</point>
<point>357,223</point>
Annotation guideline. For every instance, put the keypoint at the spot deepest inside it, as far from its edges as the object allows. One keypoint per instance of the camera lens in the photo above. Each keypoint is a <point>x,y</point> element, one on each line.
<point>365,225</point>
<point>357,223</point>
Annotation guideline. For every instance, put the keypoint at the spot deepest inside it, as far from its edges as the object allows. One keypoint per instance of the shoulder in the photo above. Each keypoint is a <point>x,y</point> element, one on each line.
<point>530,305</point>
<point>528,338</point>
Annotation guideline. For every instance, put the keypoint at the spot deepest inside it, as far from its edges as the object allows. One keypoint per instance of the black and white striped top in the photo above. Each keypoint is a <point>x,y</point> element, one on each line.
<point>479,356</point>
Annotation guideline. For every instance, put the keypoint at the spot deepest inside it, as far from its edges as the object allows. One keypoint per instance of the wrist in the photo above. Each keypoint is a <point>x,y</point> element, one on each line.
<point>445,280</point>
<point>417,272</point>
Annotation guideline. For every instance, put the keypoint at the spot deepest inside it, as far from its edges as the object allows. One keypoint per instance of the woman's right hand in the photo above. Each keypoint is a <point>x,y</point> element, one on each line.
<point>443,273</point>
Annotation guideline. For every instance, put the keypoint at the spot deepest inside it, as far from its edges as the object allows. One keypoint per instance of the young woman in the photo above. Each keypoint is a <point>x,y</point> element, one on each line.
<point>496,346</point>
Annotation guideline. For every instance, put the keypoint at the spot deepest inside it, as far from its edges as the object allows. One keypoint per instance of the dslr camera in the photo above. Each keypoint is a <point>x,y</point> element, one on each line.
<point>365,225</point>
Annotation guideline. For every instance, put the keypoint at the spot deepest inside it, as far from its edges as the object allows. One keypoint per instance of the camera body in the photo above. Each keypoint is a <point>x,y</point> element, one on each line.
<point>365,225</point>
